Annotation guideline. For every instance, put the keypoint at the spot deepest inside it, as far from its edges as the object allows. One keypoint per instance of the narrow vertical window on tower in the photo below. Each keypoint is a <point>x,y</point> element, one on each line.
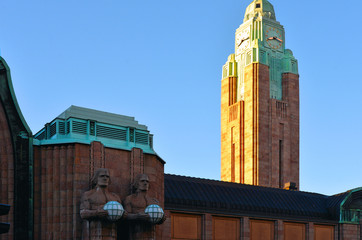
<point>232,91</point>
<point>233,162</point>
<point>232,151</point>
<point>280,163</point>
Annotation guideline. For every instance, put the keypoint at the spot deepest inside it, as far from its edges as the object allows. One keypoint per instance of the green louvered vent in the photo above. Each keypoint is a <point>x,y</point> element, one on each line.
<point>351,216</point>
<point>86,130</point>
<point>53,130</point>
<point>141,138</point>
<point>41,135</point>
<point>61,128</point>
<point>151,141</point>
<point>109,132</point>
<point>79,127</point>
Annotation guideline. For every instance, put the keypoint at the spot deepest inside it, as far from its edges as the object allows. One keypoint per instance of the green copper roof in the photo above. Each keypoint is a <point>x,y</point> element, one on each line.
<point>100,116</point>
<point>4,66</point>
<point>83,125</point>
<point>259,8</point>
<point>351,207</point>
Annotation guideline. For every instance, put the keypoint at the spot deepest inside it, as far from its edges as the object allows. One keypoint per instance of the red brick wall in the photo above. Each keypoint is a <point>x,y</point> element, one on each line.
<point>350,232</point>
<point>231,128</point>
<point>63,172</point>
<point>6,172</point>
<point>259,127</point>
<point>166,233</point>
<point>254,126</point>
<point>291,96</point>
<point>60,176</point>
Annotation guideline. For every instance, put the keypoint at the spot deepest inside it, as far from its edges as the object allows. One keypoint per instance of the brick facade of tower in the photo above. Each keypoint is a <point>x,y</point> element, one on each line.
<point>260,135</point>
<point>260,104</point>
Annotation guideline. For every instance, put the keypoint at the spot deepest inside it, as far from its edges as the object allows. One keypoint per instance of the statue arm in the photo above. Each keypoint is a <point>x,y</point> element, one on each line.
<point>134,216</point>
<point>152,201</point>
<point>127,205</point>
<point>86,212</point>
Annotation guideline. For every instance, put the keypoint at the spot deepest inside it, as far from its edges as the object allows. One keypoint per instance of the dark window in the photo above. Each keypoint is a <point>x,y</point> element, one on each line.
<point>233,162</point>
<point>92,128</point>
<point>131,134</point>
<point>258,5</point>
<point>280,163</point>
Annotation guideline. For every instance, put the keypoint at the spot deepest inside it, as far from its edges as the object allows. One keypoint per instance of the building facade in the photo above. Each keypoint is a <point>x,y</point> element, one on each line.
<point>69,149</point>
<point>44,176</point>
<point>260,104</point>
<point>45,196</point>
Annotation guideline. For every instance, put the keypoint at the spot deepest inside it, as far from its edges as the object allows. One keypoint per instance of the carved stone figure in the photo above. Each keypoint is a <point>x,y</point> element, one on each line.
<point>96,225</point>
<point>141,226</point>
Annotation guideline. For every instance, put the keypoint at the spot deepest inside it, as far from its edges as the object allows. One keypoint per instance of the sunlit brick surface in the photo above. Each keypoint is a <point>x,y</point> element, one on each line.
<point>260,135</point>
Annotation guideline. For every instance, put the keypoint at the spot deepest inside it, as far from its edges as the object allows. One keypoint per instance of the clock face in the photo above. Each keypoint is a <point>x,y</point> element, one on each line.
<point>242,40</point>
<point>273,37</point>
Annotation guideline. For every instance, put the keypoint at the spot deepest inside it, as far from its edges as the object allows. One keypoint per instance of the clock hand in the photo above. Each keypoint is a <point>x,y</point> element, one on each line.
<point>275,38</point>
<point>242,40</point>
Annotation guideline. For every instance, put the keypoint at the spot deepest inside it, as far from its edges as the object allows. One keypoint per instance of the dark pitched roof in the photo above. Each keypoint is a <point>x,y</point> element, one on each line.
<point>195,194</point>
<point>334,203</point>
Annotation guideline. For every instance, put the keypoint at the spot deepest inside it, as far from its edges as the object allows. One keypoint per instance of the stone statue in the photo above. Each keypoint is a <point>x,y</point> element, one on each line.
<point>97,226</point>
<point>140,224</point>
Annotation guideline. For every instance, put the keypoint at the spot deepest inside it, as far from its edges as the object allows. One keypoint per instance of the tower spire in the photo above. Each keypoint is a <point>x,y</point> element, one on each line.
<point>259,8</point>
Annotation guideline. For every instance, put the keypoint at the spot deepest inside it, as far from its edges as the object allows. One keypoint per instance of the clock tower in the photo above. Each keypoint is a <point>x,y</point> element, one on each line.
<point>260,104</point>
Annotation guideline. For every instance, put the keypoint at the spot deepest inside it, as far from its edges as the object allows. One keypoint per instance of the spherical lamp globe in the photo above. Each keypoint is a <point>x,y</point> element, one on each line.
<point>155,212</point>
<point>115,210</point>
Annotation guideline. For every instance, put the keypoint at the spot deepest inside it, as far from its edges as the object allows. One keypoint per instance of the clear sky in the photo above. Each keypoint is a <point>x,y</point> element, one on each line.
<point>160,61</point>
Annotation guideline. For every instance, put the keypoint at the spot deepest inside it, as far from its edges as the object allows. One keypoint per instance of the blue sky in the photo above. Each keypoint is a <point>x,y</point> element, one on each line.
<point>160,61</point>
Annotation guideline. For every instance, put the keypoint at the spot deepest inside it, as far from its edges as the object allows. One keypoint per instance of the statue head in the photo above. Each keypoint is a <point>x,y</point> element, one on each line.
<point>141,183</point>
<point>101,178</point>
